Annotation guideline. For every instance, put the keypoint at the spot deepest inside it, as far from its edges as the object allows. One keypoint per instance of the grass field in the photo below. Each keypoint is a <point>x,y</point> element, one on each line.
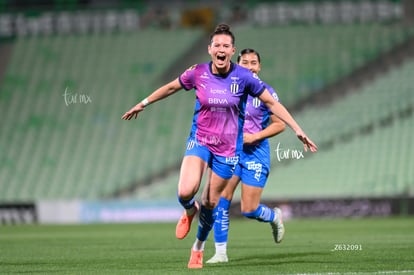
<point>375,246</point>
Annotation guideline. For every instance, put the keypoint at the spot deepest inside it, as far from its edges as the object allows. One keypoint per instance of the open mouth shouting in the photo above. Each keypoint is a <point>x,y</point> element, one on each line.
<point>221,60</point>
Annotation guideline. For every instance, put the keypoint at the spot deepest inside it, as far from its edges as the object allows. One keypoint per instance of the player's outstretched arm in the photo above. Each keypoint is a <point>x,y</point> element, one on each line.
<point>278,109</point>
<point>162,92</point>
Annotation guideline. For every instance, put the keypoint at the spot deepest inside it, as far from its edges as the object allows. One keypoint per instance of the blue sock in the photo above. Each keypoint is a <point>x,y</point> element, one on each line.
<point>187,204</point>
<point>221,224</point>
<point>262,214</point>
<point>205,223</point>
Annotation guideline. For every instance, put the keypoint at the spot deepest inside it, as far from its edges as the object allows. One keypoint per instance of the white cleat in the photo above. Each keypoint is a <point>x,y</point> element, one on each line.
<point>278,228</point>
<point>218,258</point>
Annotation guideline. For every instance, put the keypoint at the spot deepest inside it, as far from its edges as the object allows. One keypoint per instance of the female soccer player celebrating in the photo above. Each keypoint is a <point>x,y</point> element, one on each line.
<point>252,169</point>
<point>216,136</point>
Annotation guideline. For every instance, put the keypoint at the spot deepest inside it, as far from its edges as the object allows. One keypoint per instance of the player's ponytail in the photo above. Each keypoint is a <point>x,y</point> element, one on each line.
<point>222,29</point>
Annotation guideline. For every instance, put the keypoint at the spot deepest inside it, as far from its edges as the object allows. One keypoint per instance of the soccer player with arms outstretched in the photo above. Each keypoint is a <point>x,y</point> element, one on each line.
<point>252,169</point>
<point>216,136</point>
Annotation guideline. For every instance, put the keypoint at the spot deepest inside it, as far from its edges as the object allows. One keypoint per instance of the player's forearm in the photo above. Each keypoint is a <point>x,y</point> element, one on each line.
<point>158,94</point>
<point>271,130</point>
<point>162,92</point>
<point>280,111</point>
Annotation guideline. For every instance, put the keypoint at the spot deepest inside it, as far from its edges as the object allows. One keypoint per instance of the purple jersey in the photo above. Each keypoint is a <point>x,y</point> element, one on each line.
<point>256,157</point>
<point>257,114</point>
<point>220,105</point>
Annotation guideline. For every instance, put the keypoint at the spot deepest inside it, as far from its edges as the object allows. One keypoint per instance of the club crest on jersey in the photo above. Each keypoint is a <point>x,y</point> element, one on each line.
<point>234,87</point>
<point>256,102</point>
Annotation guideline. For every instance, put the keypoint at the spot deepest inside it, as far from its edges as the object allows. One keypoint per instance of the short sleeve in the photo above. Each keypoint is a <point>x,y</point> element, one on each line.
<point>187,78</point>
<point>256,85</point>
<point>272,92</point>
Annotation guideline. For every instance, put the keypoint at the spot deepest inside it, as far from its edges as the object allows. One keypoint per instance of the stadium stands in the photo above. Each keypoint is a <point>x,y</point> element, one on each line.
<point>368,163</point>
<point>298,60</point>
<point>371,154</point>
<point>62,98</point>
<point>374,165</point>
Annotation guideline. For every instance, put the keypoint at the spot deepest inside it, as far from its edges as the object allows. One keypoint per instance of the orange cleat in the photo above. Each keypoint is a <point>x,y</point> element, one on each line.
<point>196,259</point>
<point>184,224</point>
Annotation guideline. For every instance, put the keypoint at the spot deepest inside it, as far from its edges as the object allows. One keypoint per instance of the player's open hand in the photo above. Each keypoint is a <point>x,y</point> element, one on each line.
<point>307,143</point>
<point>133,112</point>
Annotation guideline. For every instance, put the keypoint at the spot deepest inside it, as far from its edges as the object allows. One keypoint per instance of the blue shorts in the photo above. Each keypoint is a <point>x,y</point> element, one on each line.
<point>222,166</point>
<point>252,169</point>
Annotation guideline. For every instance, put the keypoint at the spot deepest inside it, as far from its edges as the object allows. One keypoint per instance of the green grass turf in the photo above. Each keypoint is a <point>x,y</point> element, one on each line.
<point>387,247</point>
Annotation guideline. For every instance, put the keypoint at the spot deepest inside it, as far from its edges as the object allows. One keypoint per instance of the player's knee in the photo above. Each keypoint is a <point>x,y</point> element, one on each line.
<point>186,191</point>
<point>184,195</point>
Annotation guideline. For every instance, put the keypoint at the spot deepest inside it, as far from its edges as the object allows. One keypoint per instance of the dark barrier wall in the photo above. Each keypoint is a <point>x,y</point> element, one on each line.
<point>379,207</point>
<point>18,213</point>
